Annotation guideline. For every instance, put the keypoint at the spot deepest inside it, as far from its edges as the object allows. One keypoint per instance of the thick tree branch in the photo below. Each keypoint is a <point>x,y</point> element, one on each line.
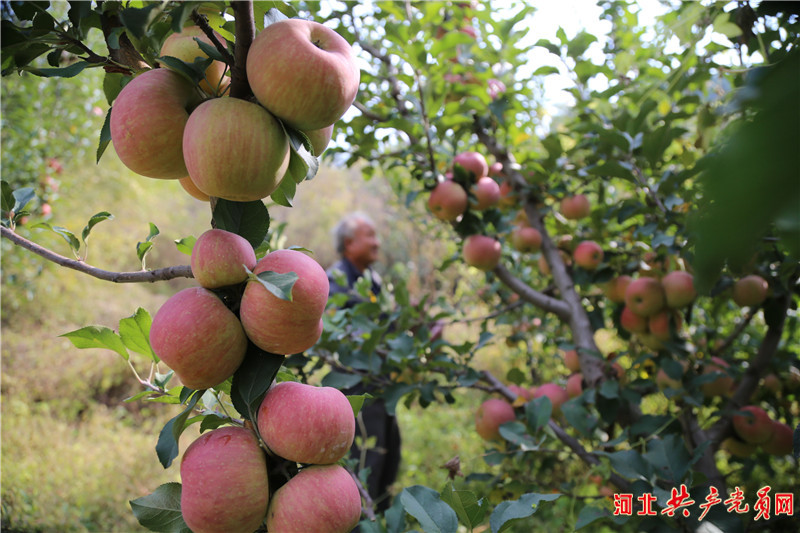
<point>126,54</point>
<point>245,33</point>
<point>547,303</point>
<point>161,274</point>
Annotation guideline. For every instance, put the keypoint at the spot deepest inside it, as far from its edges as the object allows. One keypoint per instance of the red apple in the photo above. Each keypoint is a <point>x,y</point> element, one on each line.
<point>723,385</point>
<point>183,46</point>
<point>614,290</point>
<point>588,255</point>
<point>481,252</point>
<point>280,326</point>
<point>472,162</point>
<point>496,168</point>
<point>487,193</point>
<point>557,394</point>
<point>575,207</point>
<point>219,258</point>
<point>632,322</point>
<point>224,484</point>
<point>679,289</point>
<point>319,139</point>
<point>521,392</point>
<point>318,498</point>
<point>572,361</point>
<point>661,324</point>
<point>526,239</point>
<point>306,424</point>
<point>448,200</point>
<point>491,414</point>
<point>189,186</point>
<point>198,337</point>
<point>235,149</point>
<point>780,443</point>
<point>750,291</point>
<point>303,72</point>
<point>574,386</point>
<point>147,123</point>
<point>754,427</point>
<point>645,296</point>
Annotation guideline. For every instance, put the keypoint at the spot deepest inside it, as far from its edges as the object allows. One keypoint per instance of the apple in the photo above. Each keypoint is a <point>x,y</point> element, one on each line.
<point>631,322</point>
<point>319,139</point>
<point>487,193</point>
<point>496,169</point>
<point>183,46</point>
<point>448,200</point>
<point>224,483</point>
<point>473,162</point>
<point>491,414</point>
<point>280,326</point>
<point>661,324</point>
<point>526,239</point>
<point>219,259</point>
<point>772,383</point>
<point>575,207</point>
<point>521,392</point>
<point>750,291</point>
<point>737,448</point>
<point>780,443</point>
<point>588,255</point>
<point>614,290</point>
<point>645,296</point>
<point>481,252</point>
<point>572,361</point>
<point>306,424</point>
<point>148,118</point>
<point>574,386</point>
<point>723,385</point>
<point>557,394</point>
<point>198,337</point>
<point>318,498</point>
<point>755,426</point>
<point>235,149</point>
<point>508,197</point>
<point>303,72</point>
<point>679,289</point>
<point>189,186</point>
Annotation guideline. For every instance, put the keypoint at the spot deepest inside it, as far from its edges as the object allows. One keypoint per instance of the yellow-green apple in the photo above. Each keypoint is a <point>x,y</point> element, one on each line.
<point>235,149</point>
<point>526,239</point>
<point>183,46</point>
<point>574,385</point>
<point>679,289</point>
<point>614,290</point>
<point>723,385</point>
<point>189,186</point>
<point>318,498</point>
<point>631,322</point>
<point>750,291</point>
<point>148,119</point>
<point>198,337</point>
<point>588,255</point>
<point>281,326</point>
<point>575,207</point>
<point>572,361</point>
<point>645,296</point>
<point>754,426</point>
<point>306,424</point>
<point>224,482</point>
<point>738,448</point>
<point>780,443</point>
<point>487,193</point>
<point>221,258</point>
<point>448,200</point>
<point>491,414</point>
<point>473,162</point>
<point>319,139</point>
<point>482,252</point>
<point>303,72</point>
<point>557,394</point>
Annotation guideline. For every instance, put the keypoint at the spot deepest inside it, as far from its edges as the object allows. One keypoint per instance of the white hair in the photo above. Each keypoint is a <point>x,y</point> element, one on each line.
<point>346,228</point>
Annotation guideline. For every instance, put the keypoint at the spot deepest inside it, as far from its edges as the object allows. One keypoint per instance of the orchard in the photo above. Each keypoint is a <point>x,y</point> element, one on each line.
<point>609,289</point>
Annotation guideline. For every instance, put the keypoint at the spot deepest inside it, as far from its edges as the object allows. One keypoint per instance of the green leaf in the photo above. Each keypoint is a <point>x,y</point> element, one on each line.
<point>62,72</point>
<point>167,447</point>
<point>135,333</point>
<point>425,504</point>
<point>578,416</point>
<point>248,219</point>
<point>340,380</point>
<point>105,136</point>
<point>67,235</point>
<point>280,285</point>
<point>186,244</point>
<point>137,20</point>
<point>161,510</point>
<point>629,464</point>
<point>357,402</point>
<point>538,412</point>
<point>142,248</point>
<point>96,219</point>
<point>669,457</point>
<point>22,197</point>
<point>285,192</point>
<point>515,433</point>
<point>469,509</point>
<point>252,379</point>
<point>97,337</point>
<point>507,512</point>
<point>589,514</point>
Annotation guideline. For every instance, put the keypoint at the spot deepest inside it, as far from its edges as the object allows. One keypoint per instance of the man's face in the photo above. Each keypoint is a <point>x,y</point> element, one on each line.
<point>362,249</point>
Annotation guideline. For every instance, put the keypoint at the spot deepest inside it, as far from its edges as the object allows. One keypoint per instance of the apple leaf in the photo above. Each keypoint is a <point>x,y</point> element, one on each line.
<point>167,447</point>
<point>67,235</point>
<point>284,194</point>
<point>161,510</point>
<point>135,333</point>
<point>589,514</point>
<point>142,248</point>
<point>194,72</point>
<point>97,337</point>
<point>280,285</point>
<point>433,514</point>
<point>96,219</point>
<point>468,507</point>
<point>105,136</point>
<point>186,244</point>
<point>507,512</point>
<point>252,379</point>
<point>248,219</point>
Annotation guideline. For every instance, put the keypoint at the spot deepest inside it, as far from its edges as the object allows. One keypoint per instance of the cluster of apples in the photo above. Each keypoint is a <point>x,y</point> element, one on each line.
<point>753,427</point>
<point>304,76</point>
<point>224,473</point>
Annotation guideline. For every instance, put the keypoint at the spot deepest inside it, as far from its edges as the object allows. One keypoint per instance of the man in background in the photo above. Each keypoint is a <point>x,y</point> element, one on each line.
<point>358,245</point>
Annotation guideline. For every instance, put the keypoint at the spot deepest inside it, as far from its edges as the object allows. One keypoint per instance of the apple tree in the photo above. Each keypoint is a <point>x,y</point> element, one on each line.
<point>641,245</point>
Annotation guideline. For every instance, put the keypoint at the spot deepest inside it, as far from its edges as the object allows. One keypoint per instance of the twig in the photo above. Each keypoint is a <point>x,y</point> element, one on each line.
<point>541,300</point>
<point>245,29</point>
<point>735,333</point>
<point>161,274</point>
<point>369,506</point>
<point>202,23</point>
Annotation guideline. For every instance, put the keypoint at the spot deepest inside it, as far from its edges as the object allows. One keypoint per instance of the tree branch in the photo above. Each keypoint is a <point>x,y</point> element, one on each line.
<point>548,303</point>
<point>202,23</point>
<point>161,274</point>
<point>245,33</point>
